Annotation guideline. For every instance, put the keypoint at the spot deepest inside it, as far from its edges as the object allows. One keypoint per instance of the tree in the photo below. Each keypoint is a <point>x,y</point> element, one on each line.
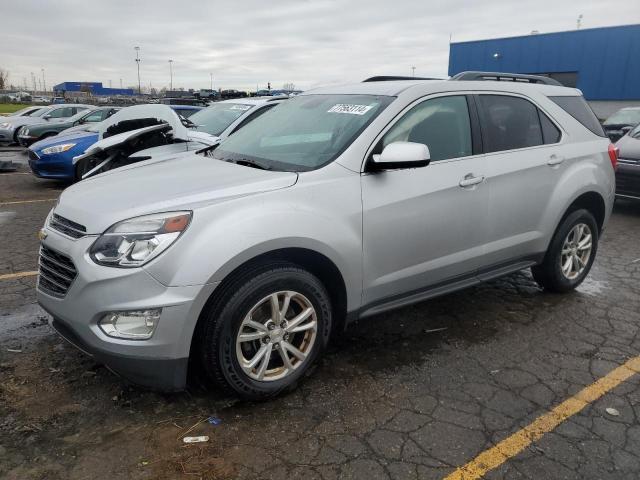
<point>4,78</point>
<point>289,87</point>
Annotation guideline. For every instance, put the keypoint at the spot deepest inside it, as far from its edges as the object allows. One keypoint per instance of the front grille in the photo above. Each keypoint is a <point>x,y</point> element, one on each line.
<point>33,155</point>
<point>66,226</point>
<point>56,272</point>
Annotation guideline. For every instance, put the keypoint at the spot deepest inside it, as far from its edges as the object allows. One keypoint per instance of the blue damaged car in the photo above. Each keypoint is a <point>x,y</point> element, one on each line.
<point>53,157</point>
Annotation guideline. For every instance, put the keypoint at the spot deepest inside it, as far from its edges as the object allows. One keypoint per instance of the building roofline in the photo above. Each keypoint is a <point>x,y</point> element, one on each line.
<point>529,35</point>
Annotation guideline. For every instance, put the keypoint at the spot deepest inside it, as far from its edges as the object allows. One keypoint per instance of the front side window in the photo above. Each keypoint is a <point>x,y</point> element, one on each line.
<point>61,112</point>
<point>509,123</point>
<point>304,133</point>
<point>442,124</point>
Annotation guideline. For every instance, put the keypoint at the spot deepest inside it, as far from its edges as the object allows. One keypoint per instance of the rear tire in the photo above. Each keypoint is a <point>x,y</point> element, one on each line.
<point>240,325</point>
<point>570,255</point>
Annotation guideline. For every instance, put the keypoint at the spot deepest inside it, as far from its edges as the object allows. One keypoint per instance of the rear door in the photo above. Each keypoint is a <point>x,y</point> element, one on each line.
<point>426,226</point>
<point>525,159</point>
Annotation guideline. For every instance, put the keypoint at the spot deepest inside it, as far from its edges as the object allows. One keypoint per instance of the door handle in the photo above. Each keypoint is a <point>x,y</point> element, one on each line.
<point>469,180</point>
<point>555,160</point>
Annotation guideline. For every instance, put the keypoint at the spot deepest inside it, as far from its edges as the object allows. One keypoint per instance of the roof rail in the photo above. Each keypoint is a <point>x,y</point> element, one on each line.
<point>390,78</point>
<point>506,77</point>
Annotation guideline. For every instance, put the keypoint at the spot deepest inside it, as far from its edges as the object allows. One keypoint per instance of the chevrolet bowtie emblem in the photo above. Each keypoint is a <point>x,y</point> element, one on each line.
<point>42,234</point>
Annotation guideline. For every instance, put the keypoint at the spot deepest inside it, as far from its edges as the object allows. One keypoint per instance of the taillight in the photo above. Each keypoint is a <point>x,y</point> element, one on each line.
<point>613,156</point>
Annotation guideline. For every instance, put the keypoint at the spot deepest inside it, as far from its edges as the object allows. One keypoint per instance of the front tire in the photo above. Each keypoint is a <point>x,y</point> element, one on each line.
<point>570,255</point>
<point>265,330</point>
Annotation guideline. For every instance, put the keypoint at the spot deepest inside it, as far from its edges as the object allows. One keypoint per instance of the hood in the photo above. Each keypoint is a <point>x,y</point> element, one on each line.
<point>118,140</point>
<point>59,140</point>
<point>188,182</point>
<point>162,113</point>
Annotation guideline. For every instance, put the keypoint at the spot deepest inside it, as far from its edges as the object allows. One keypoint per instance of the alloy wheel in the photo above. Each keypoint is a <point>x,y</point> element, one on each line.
<point>276,336</point>
<point>576,251</point>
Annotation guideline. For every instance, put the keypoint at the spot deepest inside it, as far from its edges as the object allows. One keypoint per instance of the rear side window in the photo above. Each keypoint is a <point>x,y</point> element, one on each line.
<point>579,109</point>
<point>550,132</point>
<point>509,123</point>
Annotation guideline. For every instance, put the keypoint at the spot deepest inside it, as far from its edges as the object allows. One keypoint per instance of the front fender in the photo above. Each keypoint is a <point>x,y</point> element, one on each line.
<point>224,236</point>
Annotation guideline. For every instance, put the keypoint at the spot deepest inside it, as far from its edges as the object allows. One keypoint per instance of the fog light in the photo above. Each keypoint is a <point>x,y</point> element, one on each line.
<point>134,325</point>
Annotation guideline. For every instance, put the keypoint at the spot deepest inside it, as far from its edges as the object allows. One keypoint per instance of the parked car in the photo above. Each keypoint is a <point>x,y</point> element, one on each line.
<point>628,172</point>
<point>340,203</point>
<point>125,140</point>
<point>52,158</point>
<point>621,122</point>
<point>29,134</point>
<point>196,102</point>
<point>10,126</point>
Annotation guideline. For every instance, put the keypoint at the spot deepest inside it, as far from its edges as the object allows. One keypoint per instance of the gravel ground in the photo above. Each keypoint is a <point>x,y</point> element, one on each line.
<point>405,395</point>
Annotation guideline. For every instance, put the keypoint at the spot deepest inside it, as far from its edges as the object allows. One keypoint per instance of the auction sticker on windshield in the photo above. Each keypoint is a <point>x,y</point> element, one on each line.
<point>351,109</point>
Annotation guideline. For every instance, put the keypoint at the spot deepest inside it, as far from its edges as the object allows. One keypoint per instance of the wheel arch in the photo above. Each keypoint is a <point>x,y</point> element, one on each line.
<point>311,260</point>
<point>591,201</point>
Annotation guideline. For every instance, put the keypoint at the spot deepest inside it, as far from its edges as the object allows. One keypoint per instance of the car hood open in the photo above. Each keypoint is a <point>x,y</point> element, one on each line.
<point>185,182</point>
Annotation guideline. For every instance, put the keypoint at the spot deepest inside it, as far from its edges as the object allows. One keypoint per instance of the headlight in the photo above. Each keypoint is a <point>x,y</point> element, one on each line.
<point>55,148</point>
<point>24,131</point>
<point>134,242</point>
<point>6,125</point>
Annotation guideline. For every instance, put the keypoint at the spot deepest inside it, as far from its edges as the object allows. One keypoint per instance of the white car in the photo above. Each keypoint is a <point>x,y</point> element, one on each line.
<point>145,132</point>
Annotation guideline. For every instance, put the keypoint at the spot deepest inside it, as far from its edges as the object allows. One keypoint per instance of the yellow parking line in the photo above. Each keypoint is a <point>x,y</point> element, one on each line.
<point>17,202</point>
<point>11,276</point>
<point>511,446</point>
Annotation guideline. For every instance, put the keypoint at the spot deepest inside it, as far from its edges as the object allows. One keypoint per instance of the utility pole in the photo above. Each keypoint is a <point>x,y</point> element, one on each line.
<point>120,83</point>
<point>211,75</point>
<point>33,81</point>
<point>579,22</point>
<point>44,84</point>
<point>170,74</point>
<point>413,71</point>
<point>137,49</point>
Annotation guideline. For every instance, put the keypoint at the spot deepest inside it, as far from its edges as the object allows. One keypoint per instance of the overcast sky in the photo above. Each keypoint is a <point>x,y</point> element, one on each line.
<point>251,42</point>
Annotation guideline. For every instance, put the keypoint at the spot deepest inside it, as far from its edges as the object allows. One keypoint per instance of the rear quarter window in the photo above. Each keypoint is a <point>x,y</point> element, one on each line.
<point>579,109</point>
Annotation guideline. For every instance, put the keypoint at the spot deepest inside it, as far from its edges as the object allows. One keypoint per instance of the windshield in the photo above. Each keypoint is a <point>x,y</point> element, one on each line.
<point>216,118</point>
<point>303,133</point>
<point>624,117</point>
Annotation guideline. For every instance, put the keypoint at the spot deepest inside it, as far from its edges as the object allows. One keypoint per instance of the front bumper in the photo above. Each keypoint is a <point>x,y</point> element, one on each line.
<point>6,135</point>
<point>26,140</point>
<point>159,362</point>
<point>628,179</point>
<point>56,165</point>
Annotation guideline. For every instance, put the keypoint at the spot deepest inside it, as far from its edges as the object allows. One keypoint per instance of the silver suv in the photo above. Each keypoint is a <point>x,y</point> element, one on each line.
<point>341,203</point>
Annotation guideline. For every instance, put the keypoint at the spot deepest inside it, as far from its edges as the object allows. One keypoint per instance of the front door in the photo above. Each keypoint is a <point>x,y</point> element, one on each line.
<point>425,226</point>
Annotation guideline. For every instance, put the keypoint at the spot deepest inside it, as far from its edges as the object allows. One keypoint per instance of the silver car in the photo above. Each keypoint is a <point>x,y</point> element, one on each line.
<point>10,126</point>
<point>338,204</point>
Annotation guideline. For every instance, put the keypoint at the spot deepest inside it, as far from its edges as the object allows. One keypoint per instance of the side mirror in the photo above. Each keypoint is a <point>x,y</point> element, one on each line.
<point>402,155</point>
<point>47,117</point>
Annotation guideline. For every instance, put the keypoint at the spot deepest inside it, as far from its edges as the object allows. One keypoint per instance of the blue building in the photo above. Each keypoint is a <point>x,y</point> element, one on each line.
<point>94,88</point>
<point>602,62</point>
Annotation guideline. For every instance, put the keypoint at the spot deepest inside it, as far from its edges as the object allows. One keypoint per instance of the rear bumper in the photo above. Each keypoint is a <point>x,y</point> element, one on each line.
<point>166,374</point>
<point>628,179</point>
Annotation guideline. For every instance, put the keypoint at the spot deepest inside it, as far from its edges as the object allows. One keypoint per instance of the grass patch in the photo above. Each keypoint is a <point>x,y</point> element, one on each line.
<point>11,107</point>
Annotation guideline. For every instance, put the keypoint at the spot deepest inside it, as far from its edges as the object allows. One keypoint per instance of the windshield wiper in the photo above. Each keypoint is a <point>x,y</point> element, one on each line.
<point>250,163</point>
